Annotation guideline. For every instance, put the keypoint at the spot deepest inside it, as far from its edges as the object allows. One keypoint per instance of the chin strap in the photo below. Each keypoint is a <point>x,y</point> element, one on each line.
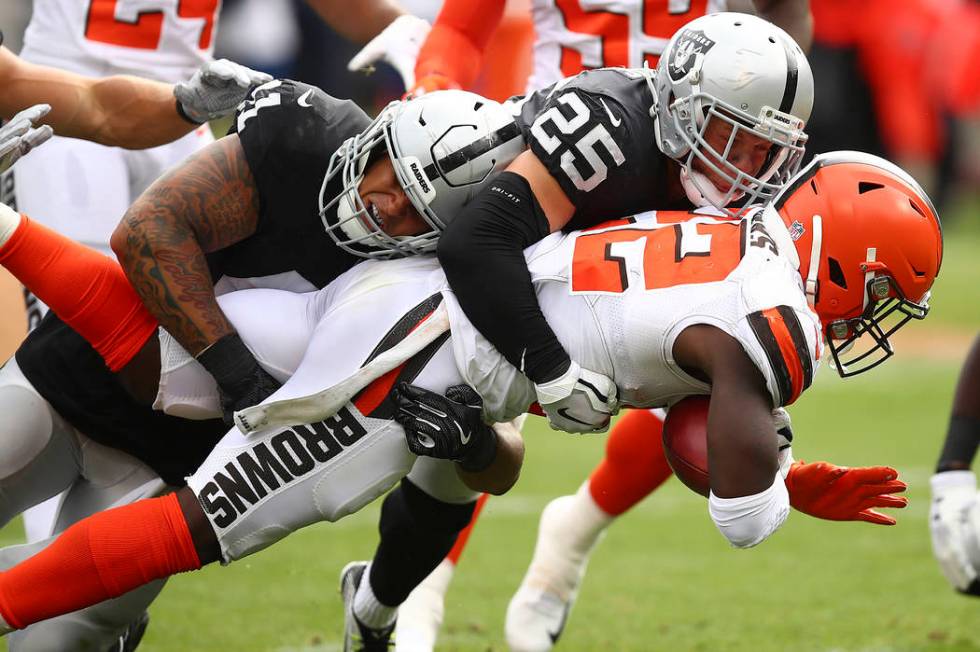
<point>811,275</point>
<point>869,273</point>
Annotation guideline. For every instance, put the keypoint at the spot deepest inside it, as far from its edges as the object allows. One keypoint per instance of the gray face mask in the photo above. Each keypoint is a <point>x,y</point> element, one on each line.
<point>444,148</point>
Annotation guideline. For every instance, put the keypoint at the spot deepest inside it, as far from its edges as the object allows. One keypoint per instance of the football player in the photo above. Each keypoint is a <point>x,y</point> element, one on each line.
<point>570,38</point>
<point>613,142</point>
<point>293,144</point>
<point>954,517</point>
<point>734,309</point>
<point>163,40</point>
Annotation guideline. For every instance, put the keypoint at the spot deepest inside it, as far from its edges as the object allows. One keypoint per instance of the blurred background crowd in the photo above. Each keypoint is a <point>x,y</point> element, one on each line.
<point>897,79</point>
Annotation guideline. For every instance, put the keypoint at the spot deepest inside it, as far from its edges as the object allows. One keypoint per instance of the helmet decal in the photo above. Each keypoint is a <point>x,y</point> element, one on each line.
<point>690,44</point>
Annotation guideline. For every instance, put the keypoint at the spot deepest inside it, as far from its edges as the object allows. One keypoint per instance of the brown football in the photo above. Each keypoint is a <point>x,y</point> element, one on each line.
<point>686,442</point>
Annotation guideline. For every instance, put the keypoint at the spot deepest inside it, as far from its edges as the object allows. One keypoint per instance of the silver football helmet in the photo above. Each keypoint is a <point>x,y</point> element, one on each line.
<point>748,73</point>
<point>445,147</point>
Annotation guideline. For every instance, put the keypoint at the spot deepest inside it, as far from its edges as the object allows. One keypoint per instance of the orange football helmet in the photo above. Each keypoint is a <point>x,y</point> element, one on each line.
<point>870,246</point>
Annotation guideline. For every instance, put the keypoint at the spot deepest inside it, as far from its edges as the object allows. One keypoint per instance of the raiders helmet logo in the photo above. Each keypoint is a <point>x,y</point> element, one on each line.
<point>690,44</point>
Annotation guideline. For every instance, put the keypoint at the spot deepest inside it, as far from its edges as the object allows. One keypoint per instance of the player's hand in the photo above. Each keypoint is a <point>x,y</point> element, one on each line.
<point>954,523</point>
<point>432,82</point>
<point>841,493</point>
<point>242,382</point>
<point>19,135</point>
<point>216,89</point>
<point>579,400</point>
<point>398,44</point>
<point>447,427</point>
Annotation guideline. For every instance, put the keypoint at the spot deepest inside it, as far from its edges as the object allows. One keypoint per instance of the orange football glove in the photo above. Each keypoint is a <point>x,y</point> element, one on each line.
<point>432,82</point>
<point>840,493</point>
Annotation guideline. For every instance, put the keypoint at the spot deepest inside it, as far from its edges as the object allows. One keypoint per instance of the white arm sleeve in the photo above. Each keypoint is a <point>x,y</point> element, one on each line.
<point>747,521</point>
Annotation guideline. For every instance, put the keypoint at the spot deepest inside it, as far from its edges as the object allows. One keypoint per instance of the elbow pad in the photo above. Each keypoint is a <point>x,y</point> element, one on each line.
<point>747,521</point>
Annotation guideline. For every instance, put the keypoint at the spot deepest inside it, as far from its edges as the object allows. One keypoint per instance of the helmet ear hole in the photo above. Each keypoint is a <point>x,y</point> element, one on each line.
<point>836,273</point>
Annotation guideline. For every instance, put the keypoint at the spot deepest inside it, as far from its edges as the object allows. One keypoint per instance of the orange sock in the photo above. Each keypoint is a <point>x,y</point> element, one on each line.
<point>88,290</point>
<point>464,536</point>
<point>100,557</point>
<point>634,464</point>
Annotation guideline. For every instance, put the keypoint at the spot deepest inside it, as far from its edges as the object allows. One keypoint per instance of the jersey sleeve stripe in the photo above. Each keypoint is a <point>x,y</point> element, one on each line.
<point>781,336</point>
<point>795,329</point>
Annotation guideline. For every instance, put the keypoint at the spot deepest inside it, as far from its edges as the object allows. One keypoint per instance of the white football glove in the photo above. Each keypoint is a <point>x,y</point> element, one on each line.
<point>954,523</point>
<point>19,135</point>
<point>398,44</point>
<point>579,400</point>
<point>216,89</point>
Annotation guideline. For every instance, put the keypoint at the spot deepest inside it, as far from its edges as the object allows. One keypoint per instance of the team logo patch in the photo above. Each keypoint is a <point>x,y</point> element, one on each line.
<point>691,44</point>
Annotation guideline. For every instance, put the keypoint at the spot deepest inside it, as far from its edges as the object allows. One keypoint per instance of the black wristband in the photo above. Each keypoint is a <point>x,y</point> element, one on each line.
<point>230,362</point>
<point>184,116</point>
<point>962,439</point>
<point>483,454</point>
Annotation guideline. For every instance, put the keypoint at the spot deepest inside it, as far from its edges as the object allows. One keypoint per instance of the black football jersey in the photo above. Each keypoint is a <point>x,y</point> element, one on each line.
<point>595,135</point>
<point>289,131</point>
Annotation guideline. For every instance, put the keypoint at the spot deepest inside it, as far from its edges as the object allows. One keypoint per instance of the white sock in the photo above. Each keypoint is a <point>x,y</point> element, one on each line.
<point>9,221</point>
<point>420,616</point>
<point>368,609</point>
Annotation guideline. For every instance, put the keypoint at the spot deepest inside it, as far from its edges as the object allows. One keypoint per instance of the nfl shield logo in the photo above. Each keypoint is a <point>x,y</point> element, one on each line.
<point>796,230</point>
<point>690,44</point>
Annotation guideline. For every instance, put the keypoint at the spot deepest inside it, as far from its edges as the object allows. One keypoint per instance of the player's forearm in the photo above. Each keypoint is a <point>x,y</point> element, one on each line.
<point>454,47</point>
<point>136,113</point>
<point>359,26</point>
<point>503,472</point>
<point>207,203</point>
<point>482,254</point>
<point>117,111</point>
<point>963,434</point>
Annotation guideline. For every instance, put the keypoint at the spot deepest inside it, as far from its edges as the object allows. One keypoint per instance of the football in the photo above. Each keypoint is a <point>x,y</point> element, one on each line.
<point>686,442</point>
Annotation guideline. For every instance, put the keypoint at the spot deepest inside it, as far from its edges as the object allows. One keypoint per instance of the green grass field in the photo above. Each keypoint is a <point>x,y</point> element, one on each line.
<point>663,579</point>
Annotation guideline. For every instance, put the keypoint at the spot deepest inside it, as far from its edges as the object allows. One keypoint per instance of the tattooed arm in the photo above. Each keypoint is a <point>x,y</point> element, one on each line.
<point>207,203</point>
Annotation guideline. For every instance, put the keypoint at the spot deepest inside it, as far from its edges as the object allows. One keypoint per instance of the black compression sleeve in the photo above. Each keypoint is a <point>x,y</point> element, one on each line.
<point>482,253</point>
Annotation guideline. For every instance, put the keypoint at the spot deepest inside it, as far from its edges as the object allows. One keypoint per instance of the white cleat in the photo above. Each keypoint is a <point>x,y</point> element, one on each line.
<point>570,528</point>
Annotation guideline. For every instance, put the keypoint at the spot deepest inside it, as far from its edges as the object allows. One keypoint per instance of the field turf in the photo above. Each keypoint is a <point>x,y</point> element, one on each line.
<point>663,579</point>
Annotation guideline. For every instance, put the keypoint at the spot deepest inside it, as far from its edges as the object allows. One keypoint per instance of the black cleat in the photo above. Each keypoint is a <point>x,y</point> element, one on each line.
<point>358,637</point>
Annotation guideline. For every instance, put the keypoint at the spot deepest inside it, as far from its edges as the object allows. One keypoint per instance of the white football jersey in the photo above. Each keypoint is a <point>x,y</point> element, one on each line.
<point>165,40</point>
<point>618,296</point>
<point>573,35</point>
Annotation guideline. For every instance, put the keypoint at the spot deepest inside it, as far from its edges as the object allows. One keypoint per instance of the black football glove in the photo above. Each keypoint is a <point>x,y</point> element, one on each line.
<point>242,382</point>
<point>447,427</point>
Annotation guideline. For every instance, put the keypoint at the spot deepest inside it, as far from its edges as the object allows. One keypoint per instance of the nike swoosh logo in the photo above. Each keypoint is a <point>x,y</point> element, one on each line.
<point>304,99</point>
<point>561,625</point>
<point>464,437</point>
<point>613,119</point>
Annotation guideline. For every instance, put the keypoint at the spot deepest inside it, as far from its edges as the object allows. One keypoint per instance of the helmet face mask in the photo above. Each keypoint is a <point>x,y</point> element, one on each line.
<point>784,132</point>
<point>853,355</point>
<point>744,72</point>
<point>444,147</point>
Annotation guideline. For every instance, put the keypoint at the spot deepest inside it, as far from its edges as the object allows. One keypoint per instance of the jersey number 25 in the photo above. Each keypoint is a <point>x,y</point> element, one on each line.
<point>585,147</point>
